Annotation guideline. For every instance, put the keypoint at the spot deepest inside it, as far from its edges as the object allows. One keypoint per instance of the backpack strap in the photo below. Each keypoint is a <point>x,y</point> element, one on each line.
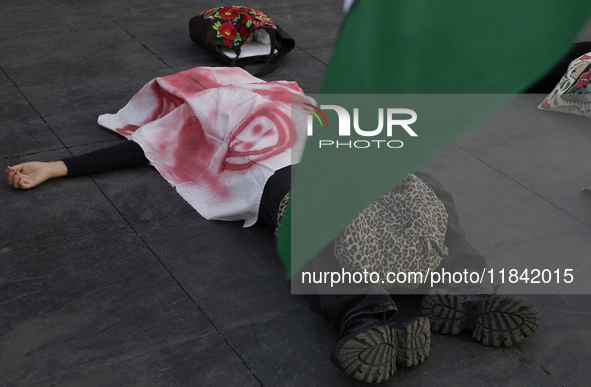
<point>237,51</point>
<point>266,69</point>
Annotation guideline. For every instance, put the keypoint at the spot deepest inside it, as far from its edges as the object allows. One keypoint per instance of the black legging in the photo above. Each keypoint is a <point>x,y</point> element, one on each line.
<point>129,154</point>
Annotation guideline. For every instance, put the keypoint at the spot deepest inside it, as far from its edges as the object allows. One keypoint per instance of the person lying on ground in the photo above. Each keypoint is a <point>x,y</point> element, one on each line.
<point>176,135</point>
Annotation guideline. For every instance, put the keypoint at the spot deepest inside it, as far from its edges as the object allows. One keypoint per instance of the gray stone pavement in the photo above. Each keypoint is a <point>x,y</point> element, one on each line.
<point>113,280</point>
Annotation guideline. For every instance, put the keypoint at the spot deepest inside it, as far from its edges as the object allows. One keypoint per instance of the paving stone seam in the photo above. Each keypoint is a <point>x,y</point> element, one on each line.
<point>303,50</point>
<point>118,140</point>
<point>128,33</point>
<point>528,189</point>
<point>440,156</point>
<point>137,234</point>
<point>272,318</point>
<point>32,153</point>
<point>34,109</point>
<point>147,49</point>
<point>153,349</point>
<point>139,222</point>
<point>36,245</point>
<point>540,366</point>
<point>201,310</point>
<point>513,140</point>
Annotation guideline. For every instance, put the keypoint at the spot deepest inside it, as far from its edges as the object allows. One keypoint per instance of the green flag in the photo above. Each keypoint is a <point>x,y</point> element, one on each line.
<point>419,47</point>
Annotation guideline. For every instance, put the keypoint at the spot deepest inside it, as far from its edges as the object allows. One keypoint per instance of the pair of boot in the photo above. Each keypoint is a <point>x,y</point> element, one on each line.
<point>370,349</point>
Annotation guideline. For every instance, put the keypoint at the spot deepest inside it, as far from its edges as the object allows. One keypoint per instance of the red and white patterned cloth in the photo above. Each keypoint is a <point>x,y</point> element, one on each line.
<point>216,135</point>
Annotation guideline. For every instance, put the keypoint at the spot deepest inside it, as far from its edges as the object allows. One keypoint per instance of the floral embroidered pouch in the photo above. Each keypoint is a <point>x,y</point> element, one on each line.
<point>240,36</point>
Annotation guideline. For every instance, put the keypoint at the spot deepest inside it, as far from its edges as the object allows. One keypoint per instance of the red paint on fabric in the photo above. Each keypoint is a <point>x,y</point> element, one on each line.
<point>247,145</point>
<point>275,94</point>
<point>257,130</point>
<point>192,156</point>
<point>187,83</point>
<point>127,130</point>
<point>196,80</point>
<point>189,155</point>
<point>281,128</point>
<point>545,104</point>
<point>166,102</point>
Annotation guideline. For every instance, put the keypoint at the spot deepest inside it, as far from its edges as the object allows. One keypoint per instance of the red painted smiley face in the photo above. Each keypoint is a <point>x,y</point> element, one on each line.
<point>264,134</point>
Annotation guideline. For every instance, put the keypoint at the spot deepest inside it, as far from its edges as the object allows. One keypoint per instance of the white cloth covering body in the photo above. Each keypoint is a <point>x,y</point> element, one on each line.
<point>216,135</point>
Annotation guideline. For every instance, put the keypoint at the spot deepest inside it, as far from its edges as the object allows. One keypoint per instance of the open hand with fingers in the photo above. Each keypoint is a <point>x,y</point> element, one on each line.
<point>31,174</point>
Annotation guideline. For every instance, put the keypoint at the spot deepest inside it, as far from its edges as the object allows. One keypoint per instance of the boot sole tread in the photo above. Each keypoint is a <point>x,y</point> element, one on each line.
<point>495,320</point>
<point>372,356</point>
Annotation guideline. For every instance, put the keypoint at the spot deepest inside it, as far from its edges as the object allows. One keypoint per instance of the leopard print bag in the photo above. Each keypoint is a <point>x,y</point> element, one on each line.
<point>402,232</point>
